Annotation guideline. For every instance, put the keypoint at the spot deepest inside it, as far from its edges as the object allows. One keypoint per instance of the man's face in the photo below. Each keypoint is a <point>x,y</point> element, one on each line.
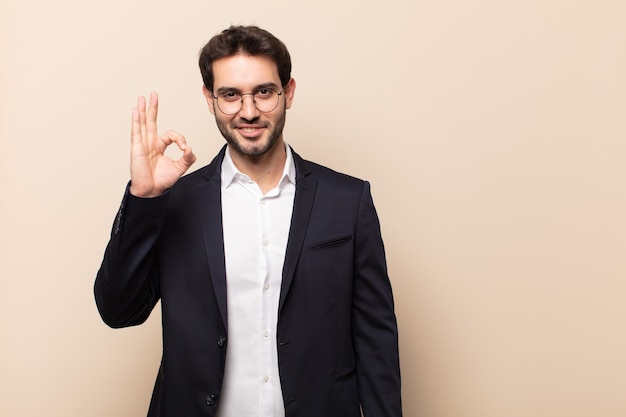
<point>250,132</point>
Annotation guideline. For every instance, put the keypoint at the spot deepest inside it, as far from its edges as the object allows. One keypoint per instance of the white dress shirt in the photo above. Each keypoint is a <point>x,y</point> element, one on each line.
<point>256,228</point>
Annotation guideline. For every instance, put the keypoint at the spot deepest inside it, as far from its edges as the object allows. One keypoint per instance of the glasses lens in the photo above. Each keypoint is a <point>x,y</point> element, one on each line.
<point>229,103</point>
<point>266,100</point>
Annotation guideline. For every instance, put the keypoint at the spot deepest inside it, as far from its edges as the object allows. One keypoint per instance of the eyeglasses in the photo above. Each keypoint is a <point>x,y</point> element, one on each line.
<point>264,99</point>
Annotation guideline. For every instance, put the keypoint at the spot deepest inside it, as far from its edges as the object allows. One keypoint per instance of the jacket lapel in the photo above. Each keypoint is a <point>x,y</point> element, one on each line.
<point>303,204</point>
<point>210,206</point>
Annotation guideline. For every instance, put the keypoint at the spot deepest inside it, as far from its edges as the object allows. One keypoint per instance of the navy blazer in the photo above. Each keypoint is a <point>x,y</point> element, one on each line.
<point>337,334</point>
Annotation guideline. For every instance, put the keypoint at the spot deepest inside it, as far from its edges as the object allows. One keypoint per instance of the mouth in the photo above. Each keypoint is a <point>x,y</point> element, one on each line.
<point>250,132</point>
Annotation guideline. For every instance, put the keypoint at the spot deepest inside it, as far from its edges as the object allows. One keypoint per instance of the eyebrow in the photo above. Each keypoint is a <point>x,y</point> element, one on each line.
<point>271,85</point>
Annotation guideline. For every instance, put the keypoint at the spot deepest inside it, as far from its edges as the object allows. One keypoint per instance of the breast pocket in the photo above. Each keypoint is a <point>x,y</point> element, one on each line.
<point>327,264</point>
<point>330,242</point>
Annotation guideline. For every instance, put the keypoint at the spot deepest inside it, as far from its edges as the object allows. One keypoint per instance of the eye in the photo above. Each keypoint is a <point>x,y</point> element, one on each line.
<point>264,93</point>
<point>230,96</point>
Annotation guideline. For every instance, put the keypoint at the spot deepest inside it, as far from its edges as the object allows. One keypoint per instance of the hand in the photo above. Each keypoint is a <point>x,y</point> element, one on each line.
<point>151,172</point>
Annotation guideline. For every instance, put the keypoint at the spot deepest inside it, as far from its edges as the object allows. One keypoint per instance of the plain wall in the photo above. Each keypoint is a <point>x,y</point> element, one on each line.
<point>494,136</point>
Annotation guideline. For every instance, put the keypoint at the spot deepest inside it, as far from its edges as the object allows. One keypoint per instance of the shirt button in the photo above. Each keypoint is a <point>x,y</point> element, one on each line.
<point>266,379</point>
<point>265,243</point>
<point>267,287</point>
<point>266,333</point>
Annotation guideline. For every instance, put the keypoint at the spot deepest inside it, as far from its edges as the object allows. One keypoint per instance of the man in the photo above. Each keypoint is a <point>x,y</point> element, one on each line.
<point>270,269</point>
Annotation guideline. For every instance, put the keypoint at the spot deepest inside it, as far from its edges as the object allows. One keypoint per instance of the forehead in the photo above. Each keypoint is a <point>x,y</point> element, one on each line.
<point>244,72</point>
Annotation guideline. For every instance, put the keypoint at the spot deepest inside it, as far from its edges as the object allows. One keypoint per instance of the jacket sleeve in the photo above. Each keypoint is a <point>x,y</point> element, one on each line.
<point>127,284</point>
<point>375,333</point>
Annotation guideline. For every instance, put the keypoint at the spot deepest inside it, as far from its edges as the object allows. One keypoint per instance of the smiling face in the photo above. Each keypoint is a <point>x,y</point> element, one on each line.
<point>250,133</point>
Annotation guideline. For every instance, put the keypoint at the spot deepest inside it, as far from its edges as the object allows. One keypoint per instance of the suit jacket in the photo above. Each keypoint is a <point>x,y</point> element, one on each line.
<point>337,334</point>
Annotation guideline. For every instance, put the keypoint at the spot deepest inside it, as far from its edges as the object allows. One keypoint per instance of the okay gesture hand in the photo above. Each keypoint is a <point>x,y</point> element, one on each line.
<point>151,172</point>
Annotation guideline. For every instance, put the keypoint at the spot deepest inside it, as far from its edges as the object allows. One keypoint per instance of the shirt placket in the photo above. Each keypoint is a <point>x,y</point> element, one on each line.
<point>266,330</point>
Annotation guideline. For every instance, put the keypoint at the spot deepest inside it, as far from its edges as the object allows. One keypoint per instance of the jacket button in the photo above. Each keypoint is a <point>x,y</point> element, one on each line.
<point>210,400</point>
<point>221,341</point>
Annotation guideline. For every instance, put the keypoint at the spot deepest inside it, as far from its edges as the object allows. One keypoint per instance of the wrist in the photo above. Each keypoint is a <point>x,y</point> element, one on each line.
<point>142,192</point>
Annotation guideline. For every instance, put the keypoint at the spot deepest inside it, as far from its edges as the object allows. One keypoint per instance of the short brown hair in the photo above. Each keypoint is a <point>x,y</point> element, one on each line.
<point>249,40</point>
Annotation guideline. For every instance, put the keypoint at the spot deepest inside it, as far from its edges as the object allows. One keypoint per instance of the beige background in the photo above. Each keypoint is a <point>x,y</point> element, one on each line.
<point>493,133</point>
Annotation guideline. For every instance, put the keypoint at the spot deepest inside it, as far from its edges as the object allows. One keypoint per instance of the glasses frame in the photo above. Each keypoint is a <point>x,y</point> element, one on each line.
<point>217,103</point>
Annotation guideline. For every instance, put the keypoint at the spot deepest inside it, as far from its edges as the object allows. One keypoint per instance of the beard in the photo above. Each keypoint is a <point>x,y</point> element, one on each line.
<point>256,148</point>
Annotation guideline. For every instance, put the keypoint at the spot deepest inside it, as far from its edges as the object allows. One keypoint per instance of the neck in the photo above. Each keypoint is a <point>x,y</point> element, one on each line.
<point>266,170</point>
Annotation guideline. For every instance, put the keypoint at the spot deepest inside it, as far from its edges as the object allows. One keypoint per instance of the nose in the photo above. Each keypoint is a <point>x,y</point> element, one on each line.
<point>248,108</point>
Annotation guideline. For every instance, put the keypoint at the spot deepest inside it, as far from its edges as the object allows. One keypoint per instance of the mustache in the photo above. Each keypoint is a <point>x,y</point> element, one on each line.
<point>244,121</point>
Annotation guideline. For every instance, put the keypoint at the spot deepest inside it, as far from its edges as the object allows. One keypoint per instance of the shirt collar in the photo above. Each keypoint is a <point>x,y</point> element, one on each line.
<point>230,173</point>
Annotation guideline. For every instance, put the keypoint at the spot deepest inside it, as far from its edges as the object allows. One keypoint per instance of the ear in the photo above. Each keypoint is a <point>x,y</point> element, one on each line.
<point>289,91</point>
<point>209,99</point>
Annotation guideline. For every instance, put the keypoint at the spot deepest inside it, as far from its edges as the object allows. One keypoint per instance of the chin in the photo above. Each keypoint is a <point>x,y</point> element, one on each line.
<point>255,149</point>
